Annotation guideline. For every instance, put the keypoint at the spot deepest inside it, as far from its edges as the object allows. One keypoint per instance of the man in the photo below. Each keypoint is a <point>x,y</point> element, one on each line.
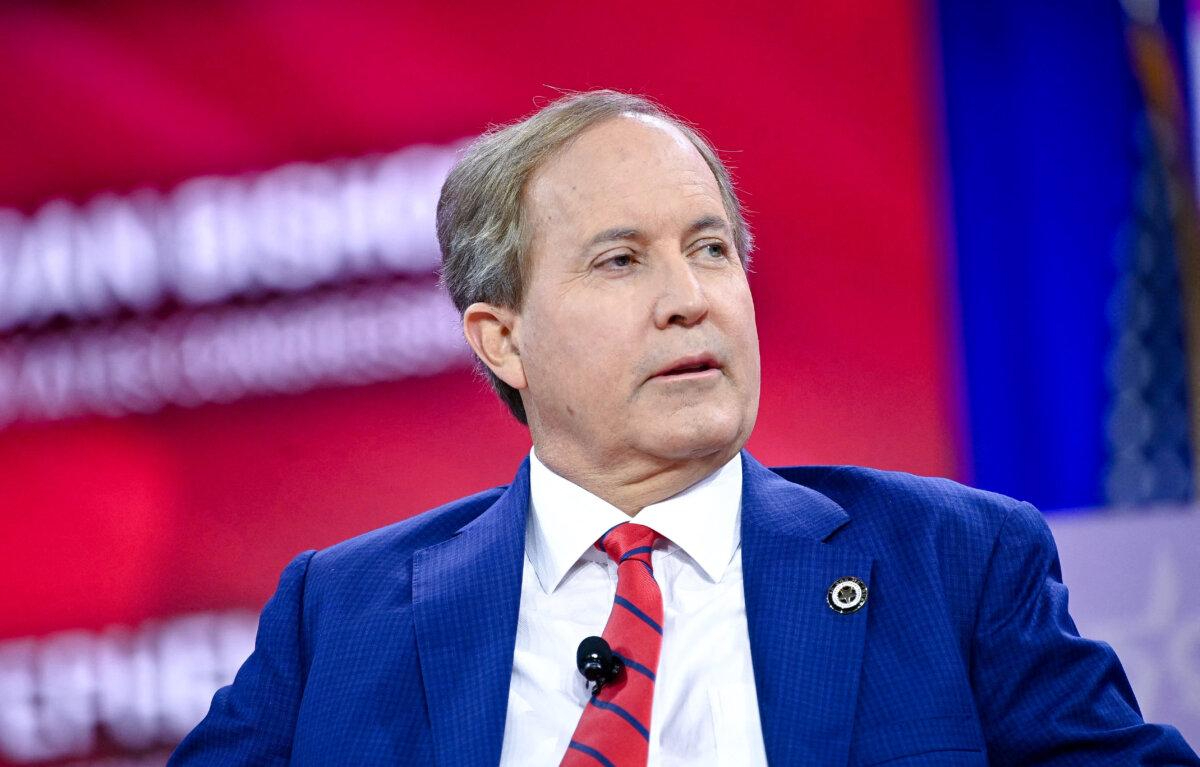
<point>811,616</point>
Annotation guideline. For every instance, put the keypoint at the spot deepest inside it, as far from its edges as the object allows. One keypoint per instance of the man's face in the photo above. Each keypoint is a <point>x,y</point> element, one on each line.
<point>637,331</point>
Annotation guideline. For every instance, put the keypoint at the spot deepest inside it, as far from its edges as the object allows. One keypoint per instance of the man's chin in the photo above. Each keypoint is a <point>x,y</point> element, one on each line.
<point>695,438</point>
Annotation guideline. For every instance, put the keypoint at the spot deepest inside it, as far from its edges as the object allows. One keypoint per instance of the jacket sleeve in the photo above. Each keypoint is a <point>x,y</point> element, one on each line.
<point>252,721</point>
<point>1047,696</point>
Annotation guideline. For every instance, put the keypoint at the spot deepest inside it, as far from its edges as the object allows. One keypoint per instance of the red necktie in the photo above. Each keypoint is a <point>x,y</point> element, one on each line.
<point>614,730</point>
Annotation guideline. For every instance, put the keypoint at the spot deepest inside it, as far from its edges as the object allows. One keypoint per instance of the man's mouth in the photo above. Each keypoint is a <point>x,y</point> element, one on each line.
<point>694,366</point>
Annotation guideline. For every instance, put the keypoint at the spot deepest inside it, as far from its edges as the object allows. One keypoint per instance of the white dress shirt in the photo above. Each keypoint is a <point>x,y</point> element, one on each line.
<point>705,705</point>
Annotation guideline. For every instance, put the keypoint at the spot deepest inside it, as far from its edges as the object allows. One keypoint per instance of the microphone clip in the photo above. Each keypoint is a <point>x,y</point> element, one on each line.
<point>598,663</point>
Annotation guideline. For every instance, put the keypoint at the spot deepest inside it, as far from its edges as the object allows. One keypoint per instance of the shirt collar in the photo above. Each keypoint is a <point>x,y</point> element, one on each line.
<point>703,520</point>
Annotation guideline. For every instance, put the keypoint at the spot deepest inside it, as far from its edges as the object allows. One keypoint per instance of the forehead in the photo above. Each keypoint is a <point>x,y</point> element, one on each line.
<point>621,172</point>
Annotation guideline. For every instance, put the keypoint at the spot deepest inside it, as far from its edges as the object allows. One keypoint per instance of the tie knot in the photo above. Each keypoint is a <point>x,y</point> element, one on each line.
<point>628,540</point>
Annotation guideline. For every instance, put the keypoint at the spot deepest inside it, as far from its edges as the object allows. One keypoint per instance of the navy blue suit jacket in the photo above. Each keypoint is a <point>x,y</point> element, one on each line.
<point>396,647</point>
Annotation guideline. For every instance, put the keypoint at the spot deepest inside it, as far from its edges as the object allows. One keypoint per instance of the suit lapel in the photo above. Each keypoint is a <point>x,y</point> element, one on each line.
<point>807,658</point>
<point>466,596</point>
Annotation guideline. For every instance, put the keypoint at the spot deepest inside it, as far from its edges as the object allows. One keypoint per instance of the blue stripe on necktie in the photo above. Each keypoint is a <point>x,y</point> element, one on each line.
<point>631,607</point>
<point>638,550</point>
<point>599,757</point>
<point>628,717</point>
<point>646,565</point>
<point>633,664</point>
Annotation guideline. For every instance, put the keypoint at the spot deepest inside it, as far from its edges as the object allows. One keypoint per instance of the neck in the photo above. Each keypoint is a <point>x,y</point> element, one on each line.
<point>632,483</point>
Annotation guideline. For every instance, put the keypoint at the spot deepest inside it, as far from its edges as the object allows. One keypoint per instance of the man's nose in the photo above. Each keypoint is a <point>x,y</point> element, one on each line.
<point>681,300</point>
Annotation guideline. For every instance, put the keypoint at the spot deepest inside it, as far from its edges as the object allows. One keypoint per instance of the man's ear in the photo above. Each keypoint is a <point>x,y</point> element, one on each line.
<point>489,331</point>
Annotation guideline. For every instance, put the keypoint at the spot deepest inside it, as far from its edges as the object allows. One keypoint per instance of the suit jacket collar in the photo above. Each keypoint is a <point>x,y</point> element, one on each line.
<point>466,596</point>
<point>806,657</point>
<point>772,502</point>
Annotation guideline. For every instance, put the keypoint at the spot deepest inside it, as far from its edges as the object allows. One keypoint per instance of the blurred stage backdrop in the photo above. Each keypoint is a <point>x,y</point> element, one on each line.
<point>221,340</point>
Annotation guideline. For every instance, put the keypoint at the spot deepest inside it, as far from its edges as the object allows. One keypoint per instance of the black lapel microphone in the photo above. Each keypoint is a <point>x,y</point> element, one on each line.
<point>598,663</point>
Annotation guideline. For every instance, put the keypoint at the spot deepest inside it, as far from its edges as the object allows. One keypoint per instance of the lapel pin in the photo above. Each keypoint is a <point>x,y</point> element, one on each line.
<point>846,595</point>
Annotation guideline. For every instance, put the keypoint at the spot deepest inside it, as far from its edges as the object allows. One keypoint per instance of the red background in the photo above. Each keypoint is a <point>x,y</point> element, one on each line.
<point>823,109</point>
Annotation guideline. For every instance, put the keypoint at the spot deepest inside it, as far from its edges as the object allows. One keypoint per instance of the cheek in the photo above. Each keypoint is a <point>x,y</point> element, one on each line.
<point>744,333</point>
<point>576,350</point>
<point>750,336</point>
<point>737,304</point>
<point>750,344</point>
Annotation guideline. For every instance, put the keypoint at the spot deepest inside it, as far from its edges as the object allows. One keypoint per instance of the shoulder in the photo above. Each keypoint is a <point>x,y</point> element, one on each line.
<point>865,491</point>
<point>387,551</point>
<point>891,510</point>
<point>939,548</point>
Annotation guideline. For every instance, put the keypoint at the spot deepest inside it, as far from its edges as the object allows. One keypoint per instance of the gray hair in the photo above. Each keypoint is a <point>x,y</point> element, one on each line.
<point>482,224</point>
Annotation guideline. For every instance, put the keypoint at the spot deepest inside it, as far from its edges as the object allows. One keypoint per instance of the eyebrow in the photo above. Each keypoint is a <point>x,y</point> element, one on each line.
<point>701,224</point>
<point>704,223</point>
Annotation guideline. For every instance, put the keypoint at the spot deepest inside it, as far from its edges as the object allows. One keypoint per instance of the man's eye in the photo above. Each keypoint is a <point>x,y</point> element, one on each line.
<point>716,249</point>
<point>619,262</point>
